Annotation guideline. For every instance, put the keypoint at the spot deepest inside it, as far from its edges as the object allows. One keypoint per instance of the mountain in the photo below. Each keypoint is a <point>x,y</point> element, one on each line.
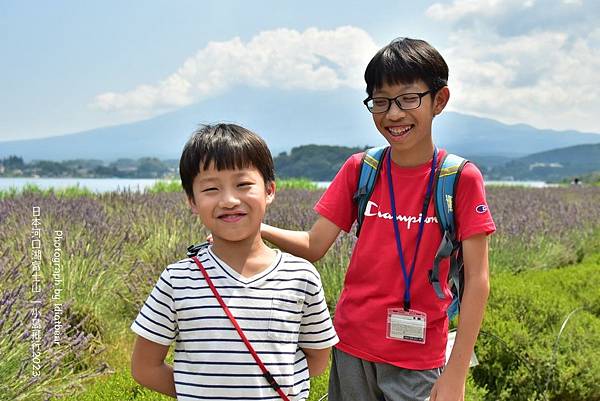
<point>288,119</point>
<point>553,165</point>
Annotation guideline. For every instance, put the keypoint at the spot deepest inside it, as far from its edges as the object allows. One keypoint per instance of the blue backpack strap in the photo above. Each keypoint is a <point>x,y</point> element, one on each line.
<point>446,182</point>
<point>370,166</point>
<point>444,195</point>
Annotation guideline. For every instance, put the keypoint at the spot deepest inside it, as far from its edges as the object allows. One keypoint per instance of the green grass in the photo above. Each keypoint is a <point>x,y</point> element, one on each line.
<point>161,186</point>
<point>118,386</point>
<point>296,183</point>
<point>121,386</point>
<point>288,183</point>
<point>72,191</point>
<point>165,186</point>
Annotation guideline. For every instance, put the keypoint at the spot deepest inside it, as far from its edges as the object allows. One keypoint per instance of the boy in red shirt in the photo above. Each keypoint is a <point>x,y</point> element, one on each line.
<point>407,87</point>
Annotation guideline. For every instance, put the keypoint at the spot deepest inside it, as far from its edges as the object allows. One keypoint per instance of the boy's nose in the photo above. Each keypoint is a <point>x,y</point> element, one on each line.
<point>395,112</point>
<point>228,200</point>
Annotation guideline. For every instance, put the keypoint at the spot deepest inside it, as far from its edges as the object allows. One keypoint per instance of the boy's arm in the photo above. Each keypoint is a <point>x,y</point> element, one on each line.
<point>317,360</point>
<point>310,245</point>
<point>451,384</point>
<point>149,369</point>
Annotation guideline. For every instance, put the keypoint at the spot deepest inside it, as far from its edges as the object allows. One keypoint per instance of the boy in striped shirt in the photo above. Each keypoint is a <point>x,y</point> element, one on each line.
<point>276,298</point>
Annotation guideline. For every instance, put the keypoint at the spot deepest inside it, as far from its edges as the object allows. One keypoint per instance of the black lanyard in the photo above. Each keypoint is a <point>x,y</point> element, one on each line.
<point>408,276</point>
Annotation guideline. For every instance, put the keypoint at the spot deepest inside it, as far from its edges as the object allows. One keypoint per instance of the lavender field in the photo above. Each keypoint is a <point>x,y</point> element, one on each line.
<point>75,270</point>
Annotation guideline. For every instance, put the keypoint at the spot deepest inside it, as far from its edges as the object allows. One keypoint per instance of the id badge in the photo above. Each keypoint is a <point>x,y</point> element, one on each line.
<point>450,344</point>
<point>406,325</point>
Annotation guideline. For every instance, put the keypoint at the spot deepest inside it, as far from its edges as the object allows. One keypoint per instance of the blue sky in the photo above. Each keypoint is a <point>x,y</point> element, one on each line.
<point>69,66</point>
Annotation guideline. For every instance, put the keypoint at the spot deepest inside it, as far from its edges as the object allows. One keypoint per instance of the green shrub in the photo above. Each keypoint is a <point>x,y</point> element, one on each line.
<point>296,183</point>
<point>520,356</point>
<point>165,186</point>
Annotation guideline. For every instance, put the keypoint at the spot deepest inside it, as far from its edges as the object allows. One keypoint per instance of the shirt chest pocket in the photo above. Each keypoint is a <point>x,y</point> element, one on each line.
<point>286,315</point>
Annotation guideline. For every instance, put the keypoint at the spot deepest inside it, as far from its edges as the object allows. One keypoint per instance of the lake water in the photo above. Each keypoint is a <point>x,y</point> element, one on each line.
<point>139,184</point>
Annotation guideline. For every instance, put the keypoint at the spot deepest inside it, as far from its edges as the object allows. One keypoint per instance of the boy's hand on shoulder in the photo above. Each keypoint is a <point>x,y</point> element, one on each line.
<point>448,387</point>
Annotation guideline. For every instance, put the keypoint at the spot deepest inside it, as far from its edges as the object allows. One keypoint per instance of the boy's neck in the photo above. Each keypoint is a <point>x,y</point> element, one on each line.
<point>247,257</point>
<point>413,157</point>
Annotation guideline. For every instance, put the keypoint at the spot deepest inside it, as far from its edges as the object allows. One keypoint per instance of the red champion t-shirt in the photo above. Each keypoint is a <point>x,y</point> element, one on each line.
<point>374,282</point>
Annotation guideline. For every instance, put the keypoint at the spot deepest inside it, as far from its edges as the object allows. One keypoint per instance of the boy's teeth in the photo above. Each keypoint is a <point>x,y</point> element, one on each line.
<point>399,131</point>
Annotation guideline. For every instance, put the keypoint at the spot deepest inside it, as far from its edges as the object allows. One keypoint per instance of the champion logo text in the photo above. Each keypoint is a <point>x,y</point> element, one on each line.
<point>372,210</point>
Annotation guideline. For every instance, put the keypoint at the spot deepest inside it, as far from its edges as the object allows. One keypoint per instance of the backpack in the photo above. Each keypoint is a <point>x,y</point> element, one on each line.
<point>445,181</point>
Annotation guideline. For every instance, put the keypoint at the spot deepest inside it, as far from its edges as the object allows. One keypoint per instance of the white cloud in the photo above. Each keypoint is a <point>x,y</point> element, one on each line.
<point>467,8</point>
<point>529,73</point>
<point>283,58</point>
<point>534,62</point>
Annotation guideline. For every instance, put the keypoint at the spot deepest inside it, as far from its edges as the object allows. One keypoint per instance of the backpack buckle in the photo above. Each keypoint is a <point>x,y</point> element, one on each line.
<point>362,191</point>
<point>431,277</point>
<point>194,249</point>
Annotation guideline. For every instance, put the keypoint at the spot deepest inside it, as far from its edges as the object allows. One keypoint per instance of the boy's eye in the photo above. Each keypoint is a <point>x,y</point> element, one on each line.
<point>409,99</point>
<point>244,184</point>
<point>380,102</point>
<point>209,189</point>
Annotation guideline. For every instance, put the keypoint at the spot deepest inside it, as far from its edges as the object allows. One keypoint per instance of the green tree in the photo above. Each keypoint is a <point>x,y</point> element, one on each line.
<point>13,163</point>
<point>316,162</point>
<point>151,167</point>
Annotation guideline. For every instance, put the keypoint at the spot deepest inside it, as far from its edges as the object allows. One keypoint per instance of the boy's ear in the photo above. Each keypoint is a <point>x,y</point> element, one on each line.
<point>270,189</point>
<point>441,100</point>
<point>192,205</point>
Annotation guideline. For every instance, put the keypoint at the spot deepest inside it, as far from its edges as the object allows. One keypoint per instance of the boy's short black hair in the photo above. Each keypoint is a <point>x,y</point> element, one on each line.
<point>229,147</point>
<point>406,60</point>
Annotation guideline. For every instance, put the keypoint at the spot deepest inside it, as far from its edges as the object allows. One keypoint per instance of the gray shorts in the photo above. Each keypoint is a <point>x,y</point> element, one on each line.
<point>354,379</point>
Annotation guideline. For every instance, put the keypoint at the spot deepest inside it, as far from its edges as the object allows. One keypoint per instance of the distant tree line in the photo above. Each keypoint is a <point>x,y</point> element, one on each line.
<point>551,166</point>
<point>315,162</point>
<point>145,167</point>
<point>321,163</point>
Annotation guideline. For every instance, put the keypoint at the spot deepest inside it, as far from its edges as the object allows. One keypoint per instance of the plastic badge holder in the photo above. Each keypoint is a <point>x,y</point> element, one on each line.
<point>450,344</point>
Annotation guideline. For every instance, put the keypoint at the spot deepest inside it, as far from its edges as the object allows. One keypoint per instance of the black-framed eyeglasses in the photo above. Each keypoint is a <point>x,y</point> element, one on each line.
<point>405,101</point>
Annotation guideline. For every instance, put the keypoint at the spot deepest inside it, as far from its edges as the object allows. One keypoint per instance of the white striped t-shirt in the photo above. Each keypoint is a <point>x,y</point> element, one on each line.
<point>281,310</point>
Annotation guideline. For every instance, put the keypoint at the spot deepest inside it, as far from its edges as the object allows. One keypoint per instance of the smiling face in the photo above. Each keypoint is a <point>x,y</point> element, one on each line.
<point>231,203</point>
<point>409,131</point>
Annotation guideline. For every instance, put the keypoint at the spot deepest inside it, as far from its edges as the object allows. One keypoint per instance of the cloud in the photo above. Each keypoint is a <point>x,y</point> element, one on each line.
<point>507,64</point>
<point>516,61</point>
<point>462,9</point>
<point>283,58</point>
<point>517,17</point>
